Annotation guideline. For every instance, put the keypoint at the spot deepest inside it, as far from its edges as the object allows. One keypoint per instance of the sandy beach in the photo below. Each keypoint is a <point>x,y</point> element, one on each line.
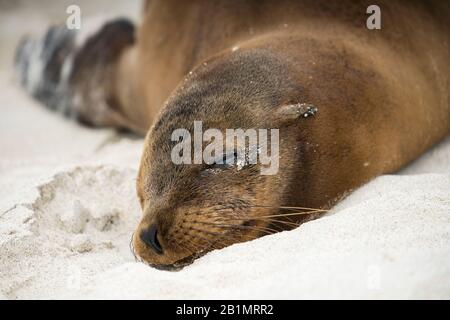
<point>68,209</point>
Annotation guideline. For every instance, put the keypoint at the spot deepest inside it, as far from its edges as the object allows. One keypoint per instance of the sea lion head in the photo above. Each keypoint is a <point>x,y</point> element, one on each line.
<point>190,209</point>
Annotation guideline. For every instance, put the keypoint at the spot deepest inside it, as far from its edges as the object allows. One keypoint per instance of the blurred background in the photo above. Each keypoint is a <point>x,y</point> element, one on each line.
<point>19,17</point>
<point>28,131</point>
<point>36,143</point>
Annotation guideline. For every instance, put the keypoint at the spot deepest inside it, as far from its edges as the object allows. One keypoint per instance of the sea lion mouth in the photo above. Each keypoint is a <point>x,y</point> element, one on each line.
<point>177,265</point>
<point>180,264</point>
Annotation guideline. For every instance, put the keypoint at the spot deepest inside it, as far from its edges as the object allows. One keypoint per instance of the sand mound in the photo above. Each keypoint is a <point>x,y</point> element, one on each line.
<point>86,210</point>
<point>387,240</point>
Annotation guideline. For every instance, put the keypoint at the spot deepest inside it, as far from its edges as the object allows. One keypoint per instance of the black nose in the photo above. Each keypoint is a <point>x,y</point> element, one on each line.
<point>150,238</point>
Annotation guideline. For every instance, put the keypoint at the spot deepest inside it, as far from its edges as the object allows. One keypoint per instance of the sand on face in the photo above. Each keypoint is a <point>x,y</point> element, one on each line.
<point>68,209</point>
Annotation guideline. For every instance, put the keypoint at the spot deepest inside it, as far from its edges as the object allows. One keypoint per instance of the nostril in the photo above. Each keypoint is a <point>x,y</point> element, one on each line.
<point>150,238</point>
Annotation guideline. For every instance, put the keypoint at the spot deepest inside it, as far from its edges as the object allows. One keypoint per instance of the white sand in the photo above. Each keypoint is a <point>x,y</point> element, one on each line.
<point>68,208</point>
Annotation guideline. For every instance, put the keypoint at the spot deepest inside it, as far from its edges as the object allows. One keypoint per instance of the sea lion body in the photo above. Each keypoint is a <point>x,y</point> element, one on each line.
<point>381,95</point>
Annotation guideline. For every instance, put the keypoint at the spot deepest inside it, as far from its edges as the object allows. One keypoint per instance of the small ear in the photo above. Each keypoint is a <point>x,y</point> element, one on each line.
<point>290,113</point>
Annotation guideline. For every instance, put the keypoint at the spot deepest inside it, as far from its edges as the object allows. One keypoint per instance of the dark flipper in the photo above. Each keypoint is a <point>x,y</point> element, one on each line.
<point>73,75</point>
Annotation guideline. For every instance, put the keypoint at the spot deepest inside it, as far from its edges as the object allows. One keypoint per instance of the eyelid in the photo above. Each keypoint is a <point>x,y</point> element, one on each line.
<point>224,158</point>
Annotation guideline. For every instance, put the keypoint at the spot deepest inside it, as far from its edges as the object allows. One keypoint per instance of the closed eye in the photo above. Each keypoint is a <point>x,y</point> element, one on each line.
<point>226,161</point>
<point>221,162</point>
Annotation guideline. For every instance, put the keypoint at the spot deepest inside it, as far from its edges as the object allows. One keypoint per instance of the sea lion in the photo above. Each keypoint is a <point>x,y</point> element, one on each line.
<point>381,98</point>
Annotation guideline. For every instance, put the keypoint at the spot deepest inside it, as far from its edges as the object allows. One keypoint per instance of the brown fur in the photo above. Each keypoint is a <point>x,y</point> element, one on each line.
<point>382,99</point>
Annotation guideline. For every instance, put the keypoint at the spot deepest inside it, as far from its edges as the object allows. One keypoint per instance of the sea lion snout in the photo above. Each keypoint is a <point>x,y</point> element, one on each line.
<point>162,237</point>
<point>195,216</point>
<point>178,241</point>
<point>169,244</point>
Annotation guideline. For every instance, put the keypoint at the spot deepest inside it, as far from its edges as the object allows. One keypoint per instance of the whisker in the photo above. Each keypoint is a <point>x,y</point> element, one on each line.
<point>216,209</point>
<point>286,207</point>
<point>189,247</point>
<point>310,211</point>
<point>219,235</point>
<point>290,214</point>
<point>293,224</point>
<point>238,226</point>
<point>256,218</point>
<point>212,245</point>
<point>265,219</point>
<point>231,237</point>
<point>304,208</point>
<point>280,215</point>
